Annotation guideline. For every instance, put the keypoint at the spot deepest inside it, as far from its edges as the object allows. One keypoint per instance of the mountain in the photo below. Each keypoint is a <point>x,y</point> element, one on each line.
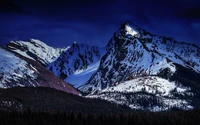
<point>77,64</point>
<point>133,53</point>
<point>18,70</point>
<point>35,50</point>
<point>144,71</point>
<point>136,68</point>
<point>78,60</point>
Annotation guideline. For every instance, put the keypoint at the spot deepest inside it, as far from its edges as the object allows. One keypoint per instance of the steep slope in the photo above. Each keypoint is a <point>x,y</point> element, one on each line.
<point>35,50</point>
<point>13,69</point>
<point>21,71</point>
<point>138,65</point>
<point>77,64</point>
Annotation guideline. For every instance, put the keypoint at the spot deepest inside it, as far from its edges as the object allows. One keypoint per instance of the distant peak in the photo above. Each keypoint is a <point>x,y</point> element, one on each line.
<point>34,41</point>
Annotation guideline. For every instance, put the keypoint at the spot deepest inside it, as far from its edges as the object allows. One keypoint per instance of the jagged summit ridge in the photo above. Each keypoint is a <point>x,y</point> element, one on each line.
<point>35,50</point>
<point>132,30</point>
<point>37,42</point>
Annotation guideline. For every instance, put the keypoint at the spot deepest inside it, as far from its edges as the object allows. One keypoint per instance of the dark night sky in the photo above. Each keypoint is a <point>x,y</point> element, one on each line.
<point>61,22</point>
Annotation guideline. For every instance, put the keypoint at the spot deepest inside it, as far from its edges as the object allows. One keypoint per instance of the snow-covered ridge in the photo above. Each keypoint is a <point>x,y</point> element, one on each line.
<point>36,50</point>
<point>13,70</point>
<point>187,55</point>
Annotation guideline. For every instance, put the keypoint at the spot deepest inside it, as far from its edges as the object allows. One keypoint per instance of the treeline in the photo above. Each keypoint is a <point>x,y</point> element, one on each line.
<point>136,118</point>
<point>51,100</point>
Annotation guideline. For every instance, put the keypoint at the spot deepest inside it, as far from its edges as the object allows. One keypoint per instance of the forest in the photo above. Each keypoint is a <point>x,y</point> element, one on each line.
<point>28,117</point>
<point>46,106</point>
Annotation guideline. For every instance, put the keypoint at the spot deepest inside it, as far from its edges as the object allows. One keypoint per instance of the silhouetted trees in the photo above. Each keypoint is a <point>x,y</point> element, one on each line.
<point>136,118</point>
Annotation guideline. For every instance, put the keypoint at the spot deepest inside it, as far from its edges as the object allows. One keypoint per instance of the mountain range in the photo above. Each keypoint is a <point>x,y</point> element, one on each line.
<point>136,68</point>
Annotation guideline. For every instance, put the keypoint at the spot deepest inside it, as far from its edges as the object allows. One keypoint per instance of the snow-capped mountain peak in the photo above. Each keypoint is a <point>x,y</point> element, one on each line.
<point>135,56</point>
<point>131,29</point>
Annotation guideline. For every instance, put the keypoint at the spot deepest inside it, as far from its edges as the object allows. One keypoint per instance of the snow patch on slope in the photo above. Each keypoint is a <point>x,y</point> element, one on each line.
<point>150,84</point>
<point>77,64</point>
<point>80,77</point>
<point>146,93</point>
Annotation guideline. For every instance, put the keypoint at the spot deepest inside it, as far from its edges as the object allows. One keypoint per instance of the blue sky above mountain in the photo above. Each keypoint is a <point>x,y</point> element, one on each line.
<point>61,22</point>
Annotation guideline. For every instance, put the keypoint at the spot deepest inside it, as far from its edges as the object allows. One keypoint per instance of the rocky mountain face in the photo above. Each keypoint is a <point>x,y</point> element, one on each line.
<point>136,68</point>
<point>144,71</point>
<point>133,53</point>
<point>77,64</point>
